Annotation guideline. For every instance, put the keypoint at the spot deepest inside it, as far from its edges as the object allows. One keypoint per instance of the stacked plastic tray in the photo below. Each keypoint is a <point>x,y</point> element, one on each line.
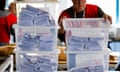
<point>36,36</point>
<point>86,41</point>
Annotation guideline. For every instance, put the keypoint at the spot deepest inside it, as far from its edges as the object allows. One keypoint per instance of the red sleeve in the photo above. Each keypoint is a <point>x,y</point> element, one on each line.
<point>62,15</point>
<point>11,19</point>
<point>91,11</point>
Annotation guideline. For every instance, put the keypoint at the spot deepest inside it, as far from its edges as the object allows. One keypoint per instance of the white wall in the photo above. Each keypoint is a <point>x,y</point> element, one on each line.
<point>8,3</point>
<point>108,6</point>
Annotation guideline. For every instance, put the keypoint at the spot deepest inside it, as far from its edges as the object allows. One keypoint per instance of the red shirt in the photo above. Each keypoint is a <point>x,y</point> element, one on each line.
<point>5,25</point>
<point>91,11</point>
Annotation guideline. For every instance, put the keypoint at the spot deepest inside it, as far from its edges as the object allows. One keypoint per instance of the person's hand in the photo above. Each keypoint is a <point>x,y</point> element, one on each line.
<point>107,17</point>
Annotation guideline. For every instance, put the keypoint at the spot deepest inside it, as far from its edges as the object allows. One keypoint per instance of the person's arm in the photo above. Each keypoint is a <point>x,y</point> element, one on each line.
<point>61,31</point>
<point>100,12</point>
<point>105,16</point>
<point>12,32</point>
<point>62,16</point>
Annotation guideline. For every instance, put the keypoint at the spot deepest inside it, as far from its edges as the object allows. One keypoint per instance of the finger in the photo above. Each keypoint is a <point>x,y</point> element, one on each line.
<point>110,19</point>
<point>107,17</point>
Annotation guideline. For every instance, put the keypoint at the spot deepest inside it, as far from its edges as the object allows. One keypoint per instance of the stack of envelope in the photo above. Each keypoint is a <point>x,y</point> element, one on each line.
<point>42,19</point>
<point>84,44</point>
<point>31,16</point>
<point>26,17</point>
<point>46,43</point>
<point>98,68</point>
<point>39,42</point>
<point>38,64</point>
<point>28,43</point>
